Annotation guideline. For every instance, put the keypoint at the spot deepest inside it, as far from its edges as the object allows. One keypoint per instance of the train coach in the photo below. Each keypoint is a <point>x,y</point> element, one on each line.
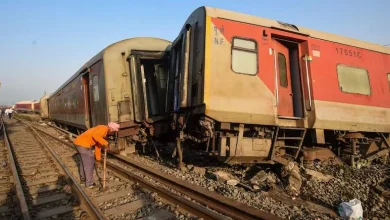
<point>251,89</point>
<point>36,107</point>
<point>24,106</point>
<point>44,106</point>
<point>125,83</point>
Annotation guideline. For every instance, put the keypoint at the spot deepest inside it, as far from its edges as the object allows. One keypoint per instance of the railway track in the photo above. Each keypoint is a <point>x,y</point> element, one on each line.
<point>140,190</point>
<point>41,185</point>
<point>9,209</point>
<point>122,198</point>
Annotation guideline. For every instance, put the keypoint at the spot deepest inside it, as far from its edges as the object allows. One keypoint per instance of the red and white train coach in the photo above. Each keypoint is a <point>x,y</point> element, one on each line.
<point>24,106</point>
<point>36,107</point>
<point>28,106</point>
<point>258,90</point>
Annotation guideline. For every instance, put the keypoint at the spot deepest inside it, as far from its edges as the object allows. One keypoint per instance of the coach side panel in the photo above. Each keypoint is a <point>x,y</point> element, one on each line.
<point>23,107</point>
<point>97,91</point>
<point>350,86</point>
<point>240,76</point>
<point>67,105</point>
<point>37,107</point>
<point>44,105</point>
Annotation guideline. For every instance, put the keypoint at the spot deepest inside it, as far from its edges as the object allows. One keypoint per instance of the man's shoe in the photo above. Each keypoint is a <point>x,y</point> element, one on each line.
<point>92,186</point>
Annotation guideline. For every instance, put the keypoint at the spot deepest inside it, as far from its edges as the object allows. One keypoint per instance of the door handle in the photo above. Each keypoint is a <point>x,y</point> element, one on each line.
<point>276,80</point>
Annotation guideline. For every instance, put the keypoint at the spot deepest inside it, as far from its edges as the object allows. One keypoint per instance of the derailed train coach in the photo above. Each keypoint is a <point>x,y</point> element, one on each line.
<point>44,107</point>
<point>26,106</point>
<point>37,107</point>
<point>256,90</point>
<point>124,83</point>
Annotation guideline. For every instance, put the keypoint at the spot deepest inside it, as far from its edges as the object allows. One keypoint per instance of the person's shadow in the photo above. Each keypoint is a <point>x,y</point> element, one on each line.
<point>54,199</point>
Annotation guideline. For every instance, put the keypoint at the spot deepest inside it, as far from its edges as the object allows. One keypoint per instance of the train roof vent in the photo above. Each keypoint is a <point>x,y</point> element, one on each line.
<point>288,26</point>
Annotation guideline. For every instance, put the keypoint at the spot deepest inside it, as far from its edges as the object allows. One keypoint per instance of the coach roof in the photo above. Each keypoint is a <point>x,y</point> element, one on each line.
<point>25,102</point>
<point>246,18</point>
<point>99,56</point>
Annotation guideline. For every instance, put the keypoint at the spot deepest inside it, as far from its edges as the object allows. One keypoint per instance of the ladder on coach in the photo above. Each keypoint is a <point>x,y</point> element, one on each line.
<point>292,137</point>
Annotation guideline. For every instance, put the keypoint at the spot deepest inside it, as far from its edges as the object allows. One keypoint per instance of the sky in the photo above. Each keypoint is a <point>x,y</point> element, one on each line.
<point>43,43</point>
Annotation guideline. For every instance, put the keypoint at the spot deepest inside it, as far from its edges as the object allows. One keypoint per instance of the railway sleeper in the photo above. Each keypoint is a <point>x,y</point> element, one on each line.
<point>43,184</point>
<point>56,211</point>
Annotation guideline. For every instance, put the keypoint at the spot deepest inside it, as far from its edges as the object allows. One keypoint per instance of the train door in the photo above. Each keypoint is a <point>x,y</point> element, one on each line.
<point>149,71</point>
<point>289,91</point>
<point>87,105</point>
<point>179,79</point>
<point>97,94</point>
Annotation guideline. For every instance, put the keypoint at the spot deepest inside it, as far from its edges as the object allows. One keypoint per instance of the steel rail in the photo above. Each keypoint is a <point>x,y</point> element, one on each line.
<point>170,197</point>
<point>91,208</point>
<point>184,204</point>
<point>18,185</point>
<point>213,200</point>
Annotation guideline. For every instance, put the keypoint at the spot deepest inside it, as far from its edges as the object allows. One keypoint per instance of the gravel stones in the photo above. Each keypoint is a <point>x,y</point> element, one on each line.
<point>254,199</point>
<point>341,183</point>
<point>347,184</point>
<point>344,184</point>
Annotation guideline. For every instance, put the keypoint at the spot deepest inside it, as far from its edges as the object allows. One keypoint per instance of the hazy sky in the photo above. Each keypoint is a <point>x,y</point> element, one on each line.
<point>44,42</point>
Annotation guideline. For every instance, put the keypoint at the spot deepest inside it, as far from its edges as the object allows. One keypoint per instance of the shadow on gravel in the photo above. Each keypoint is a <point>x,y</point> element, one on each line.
<point>193,157</point>
<point>54,199</point>
<point>46,190</point>
<point>76,158</point>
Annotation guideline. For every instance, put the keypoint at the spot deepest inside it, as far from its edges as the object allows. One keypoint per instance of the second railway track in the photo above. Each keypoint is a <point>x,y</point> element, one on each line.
<point>158,192</point>
<point>122,198</point>
<point>43,188</point>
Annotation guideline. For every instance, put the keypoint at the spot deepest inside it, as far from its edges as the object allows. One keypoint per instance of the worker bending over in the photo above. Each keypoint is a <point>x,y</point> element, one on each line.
<point>93,137</point>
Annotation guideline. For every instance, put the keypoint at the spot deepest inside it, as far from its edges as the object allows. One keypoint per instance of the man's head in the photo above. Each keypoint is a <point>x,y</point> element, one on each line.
<point>113,127</point>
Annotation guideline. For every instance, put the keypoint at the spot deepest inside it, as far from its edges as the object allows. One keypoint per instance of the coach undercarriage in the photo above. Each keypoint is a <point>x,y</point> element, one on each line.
<point>293,148</point>
<point>241,143</point>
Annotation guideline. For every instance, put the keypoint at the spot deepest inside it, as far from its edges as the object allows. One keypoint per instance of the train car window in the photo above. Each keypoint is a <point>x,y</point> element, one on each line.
<point>282,70</point>
<point>244,56</point>
<point>95,84</point>
<point>353,80</point>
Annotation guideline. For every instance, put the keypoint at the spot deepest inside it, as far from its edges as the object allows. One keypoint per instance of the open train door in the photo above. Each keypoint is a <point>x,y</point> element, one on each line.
<point>137,89</point>
<point>288,78</point>
<point>149,71</point>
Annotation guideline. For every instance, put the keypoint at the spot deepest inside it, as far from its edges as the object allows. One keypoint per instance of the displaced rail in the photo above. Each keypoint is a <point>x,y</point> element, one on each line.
<point>42,184</point>
<point>190,198</point>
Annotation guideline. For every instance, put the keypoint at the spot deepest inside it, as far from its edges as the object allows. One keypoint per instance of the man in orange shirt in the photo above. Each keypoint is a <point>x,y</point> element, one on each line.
<point>93,137</point>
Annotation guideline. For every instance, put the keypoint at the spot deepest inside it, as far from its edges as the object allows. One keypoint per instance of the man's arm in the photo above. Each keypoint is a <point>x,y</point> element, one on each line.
<point>98,136</point>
